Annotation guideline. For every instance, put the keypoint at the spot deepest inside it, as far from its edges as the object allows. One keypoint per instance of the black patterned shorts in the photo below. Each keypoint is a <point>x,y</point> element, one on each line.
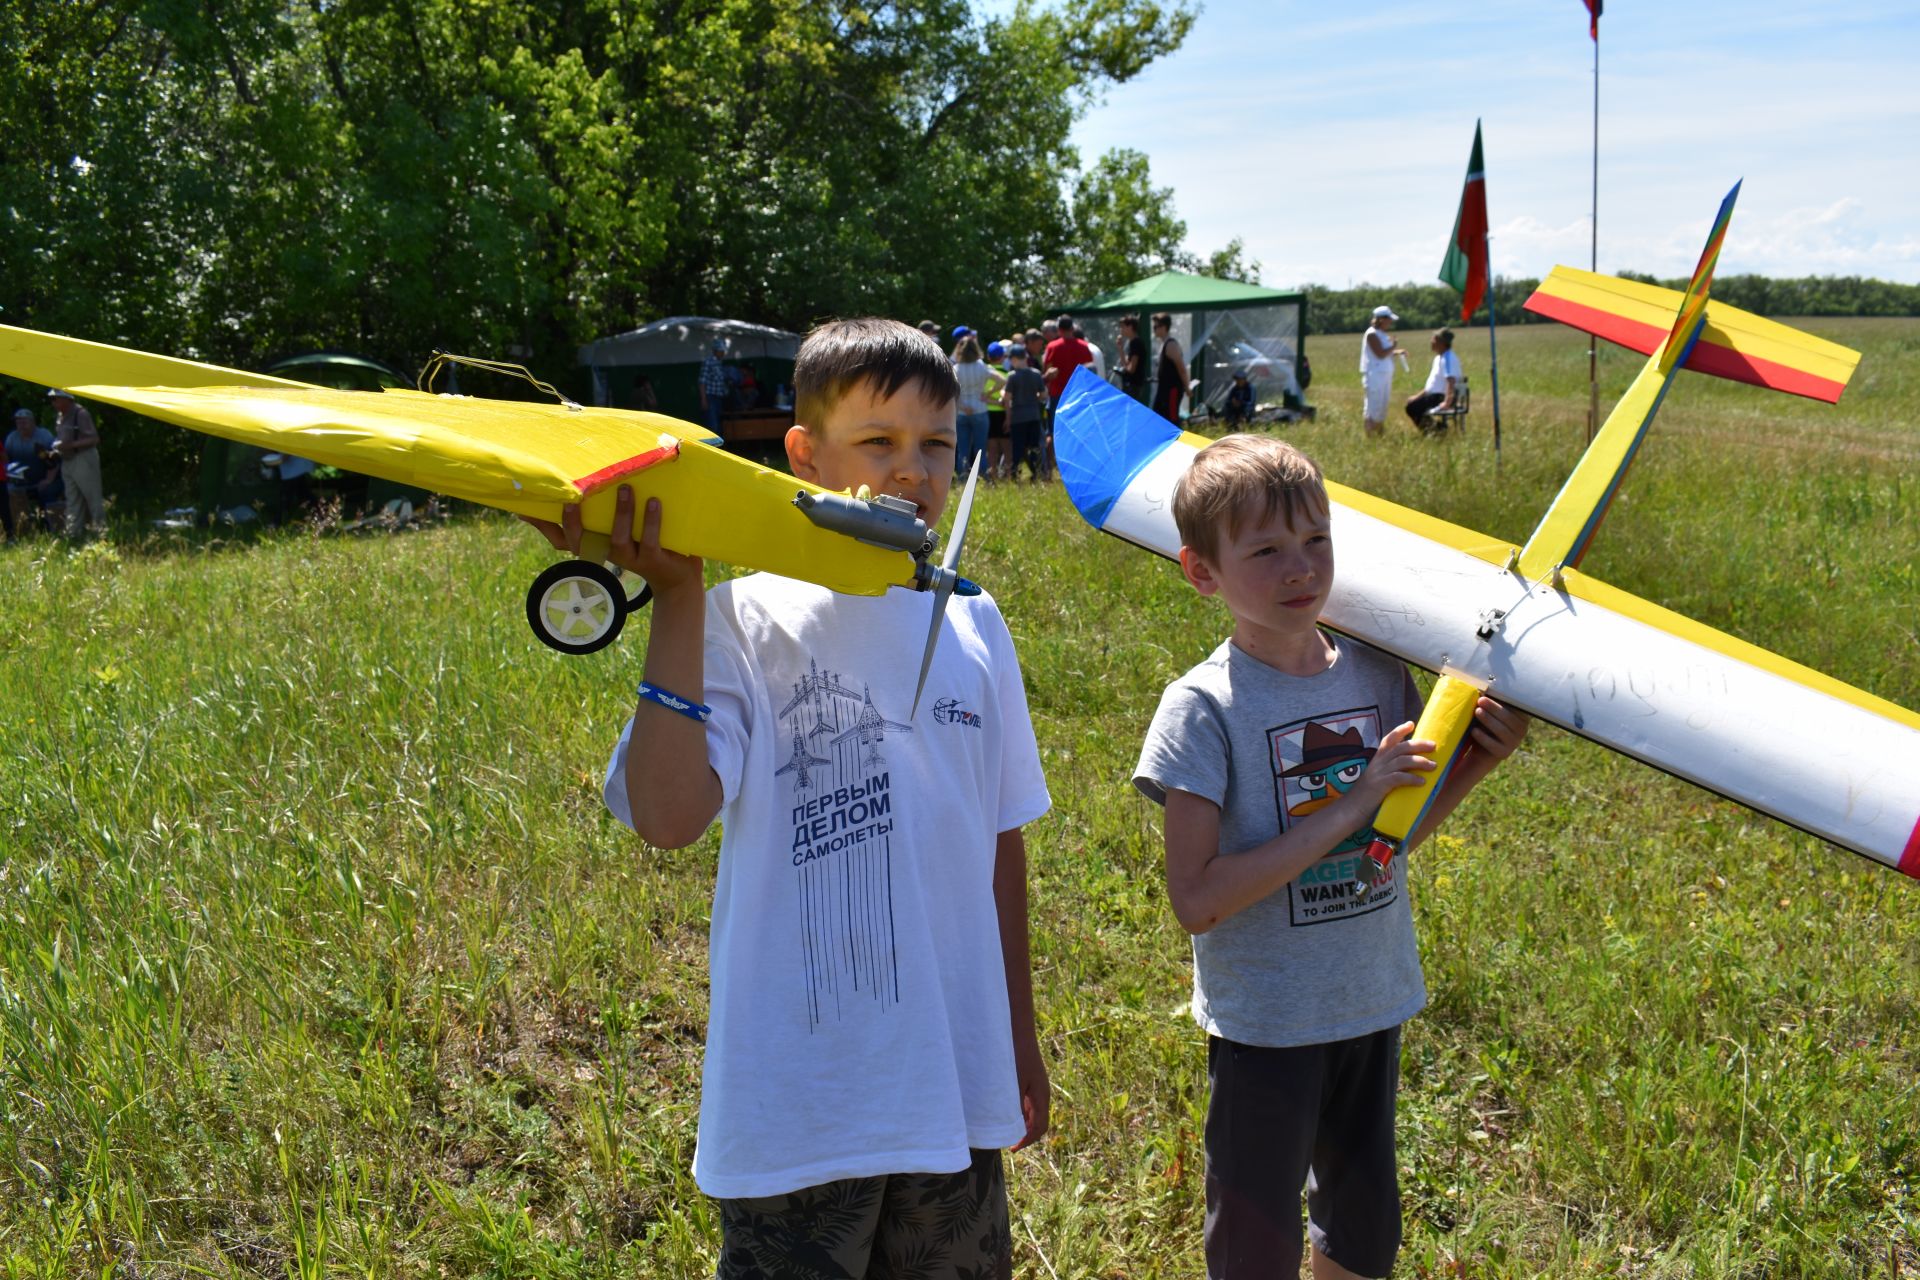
<point>941,1226</point>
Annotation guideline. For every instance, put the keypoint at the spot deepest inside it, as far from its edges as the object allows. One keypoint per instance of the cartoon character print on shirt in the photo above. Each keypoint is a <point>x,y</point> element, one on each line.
<point>842,843</point>
<point>1315,762</point>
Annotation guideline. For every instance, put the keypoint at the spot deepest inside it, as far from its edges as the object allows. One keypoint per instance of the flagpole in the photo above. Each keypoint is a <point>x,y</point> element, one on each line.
<point>1593,259</point>
<point>1493,343</point>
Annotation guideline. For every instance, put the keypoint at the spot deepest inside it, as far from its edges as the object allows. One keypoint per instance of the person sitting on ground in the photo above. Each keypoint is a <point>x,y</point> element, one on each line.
<point>1443,384</point>
<point>855,1098</point>
<point>34,483</point>
<point>1240,400</point>
<point>746,386</point>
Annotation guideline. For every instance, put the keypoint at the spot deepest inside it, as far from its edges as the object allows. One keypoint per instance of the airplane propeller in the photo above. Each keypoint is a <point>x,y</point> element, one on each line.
<point>946,580</point>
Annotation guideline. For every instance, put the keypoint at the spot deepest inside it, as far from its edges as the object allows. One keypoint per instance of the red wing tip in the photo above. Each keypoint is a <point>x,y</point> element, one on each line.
<point>627,466</point>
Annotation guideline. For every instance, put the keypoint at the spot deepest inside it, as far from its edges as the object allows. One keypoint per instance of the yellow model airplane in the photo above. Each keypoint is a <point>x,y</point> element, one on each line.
<point>1525,625</point>
<point>534,460</point>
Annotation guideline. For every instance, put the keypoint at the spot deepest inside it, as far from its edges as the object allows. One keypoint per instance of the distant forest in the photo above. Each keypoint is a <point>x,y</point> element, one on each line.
<point>1430,306</point>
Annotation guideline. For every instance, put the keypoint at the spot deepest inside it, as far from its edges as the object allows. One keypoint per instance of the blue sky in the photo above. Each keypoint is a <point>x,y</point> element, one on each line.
<point>1333,137</point>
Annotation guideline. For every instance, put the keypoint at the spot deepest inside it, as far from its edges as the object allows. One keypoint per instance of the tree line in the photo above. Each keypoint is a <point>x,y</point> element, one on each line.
<point>1434,306</point>
<point>236,180</point>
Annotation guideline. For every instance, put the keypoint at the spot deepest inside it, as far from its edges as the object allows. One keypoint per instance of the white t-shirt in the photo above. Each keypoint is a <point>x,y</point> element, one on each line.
<point>1370,364</point>
<point>1099,360</point>
<point>858,1020</point>
<point>1445,365</point>
<point>972,376</point>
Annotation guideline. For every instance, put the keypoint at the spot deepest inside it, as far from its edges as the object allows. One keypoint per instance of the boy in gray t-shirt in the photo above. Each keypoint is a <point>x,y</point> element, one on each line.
<point>1271,758</point>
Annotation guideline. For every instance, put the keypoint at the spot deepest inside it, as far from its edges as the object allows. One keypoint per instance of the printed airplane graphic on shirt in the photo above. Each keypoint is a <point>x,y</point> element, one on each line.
<point>1315,762</point>
<point>842,846</point>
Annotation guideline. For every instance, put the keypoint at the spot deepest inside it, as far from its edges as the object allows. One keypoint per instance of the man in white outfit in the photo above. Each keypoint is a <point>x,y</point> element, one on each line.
<point>1377,353</point>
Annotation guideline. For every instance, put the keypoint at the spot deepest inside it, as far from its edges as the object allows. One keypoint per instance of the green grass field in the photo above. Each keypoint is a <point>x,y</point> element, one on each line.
<point>320,957</point>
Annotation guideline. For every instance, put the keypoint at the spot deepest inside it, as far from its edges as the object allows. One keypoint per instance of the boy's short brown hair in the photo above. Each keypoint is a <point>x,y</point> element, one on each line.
<point>885,354</point>
<point>1241,479</point>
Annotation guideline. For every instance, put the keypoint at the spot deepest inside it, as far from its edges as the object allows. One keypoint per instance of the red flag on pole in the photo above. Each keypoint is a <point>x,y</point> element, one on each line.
<point>1593,24</point>
<point>1465,267</point>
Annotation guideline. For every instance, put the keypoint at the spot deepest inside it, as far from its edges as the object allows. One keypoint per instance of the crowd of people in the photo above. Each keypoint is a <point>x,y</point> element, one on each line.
<point>1010,387</point>
<point>1010,423</point>
<point>53,473</point>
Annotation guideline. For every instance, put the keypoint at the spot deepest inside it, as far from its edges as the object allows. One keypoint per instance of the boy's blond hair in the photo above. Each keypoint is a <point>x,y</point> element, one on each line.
<point>1243,479</point>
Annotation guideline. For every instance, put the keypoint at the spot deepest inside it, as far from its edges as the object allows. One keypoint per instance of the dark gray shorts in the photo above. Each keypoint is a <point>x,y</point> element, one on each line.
<point>1318,1116</point>
<point>942,1226</point>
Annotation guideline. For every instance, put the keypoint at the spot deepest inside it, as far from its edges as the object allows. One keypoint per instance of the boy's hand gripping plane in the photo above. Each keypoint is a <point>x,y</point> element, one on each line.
<point>1527,627</point>
<point>535,460</point>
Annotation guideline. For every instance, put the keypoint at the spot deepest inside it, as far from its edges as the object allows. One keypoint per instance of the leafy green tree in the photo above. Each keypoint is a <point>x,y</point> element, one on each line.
<point>1122,228</point>
<point>236,179</point>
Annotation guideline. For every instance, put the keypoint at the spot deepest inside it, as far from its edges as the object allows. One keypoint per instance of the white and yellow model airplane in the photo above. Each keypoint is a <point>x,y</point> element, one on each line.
<point>534,460</point>
<point>1526,625</point>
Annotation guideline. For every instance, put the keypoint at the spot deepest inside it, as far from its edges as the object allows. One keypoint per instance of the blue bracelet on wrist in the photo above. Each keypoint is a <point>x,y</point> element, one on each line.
<point>674,702</point>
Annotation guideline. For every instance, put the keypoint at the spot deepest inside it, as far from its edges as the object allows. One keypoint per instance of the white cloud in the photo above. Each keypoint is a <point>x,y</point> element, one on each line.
<point>1335,147</point>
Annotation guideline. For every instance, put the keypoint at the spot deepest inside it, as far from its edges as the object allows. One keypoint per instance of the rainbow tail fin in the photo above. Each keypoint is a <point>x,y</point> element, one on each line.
<point>1693,304</point>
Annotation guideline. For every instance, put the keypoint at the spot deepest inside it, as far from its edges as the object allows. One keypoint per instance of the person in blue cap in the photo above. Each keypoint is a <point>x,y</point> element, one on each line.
<point>998,438</point>
<point>34,483</point>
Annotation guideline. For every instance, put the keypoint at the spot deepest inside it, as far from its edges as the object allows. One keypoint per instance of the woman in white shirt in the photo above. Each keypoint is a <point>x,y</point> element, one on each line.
<point>971,420</point>
<point>1377,350</point>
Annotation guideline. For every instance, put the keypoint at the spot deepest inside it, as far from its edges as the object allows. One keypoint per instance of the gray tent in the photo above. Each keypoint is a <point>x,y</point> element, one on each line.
<point>668,352</point>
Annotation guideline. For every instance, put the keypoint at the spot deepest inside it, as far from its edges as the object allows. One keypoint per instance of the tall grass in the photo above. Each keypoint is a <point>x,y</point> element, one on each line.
<point>318,956</point>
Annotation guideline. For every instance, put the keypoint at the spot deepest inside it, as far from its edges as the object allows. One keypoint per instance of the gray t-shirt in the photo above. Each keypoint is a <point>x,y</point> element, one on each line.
<point>1024,395</point>
<point>1306,964</point>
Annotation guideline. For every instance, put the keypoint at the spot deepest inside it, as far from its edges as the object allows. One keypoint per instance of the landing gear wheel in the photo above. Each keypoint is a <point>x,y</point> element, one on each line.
<point>577,607</point>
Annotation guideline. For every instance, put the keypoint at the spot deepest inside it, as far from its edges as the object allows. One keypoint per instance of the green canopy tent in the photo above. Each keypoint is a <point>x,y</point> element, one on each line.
<point>1221,325</point>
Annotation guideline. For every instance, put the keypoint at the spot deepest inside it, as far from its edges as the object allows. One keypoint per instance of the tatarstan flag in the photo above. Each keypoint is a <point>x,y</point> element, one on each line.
<point>1465,267</point>
<point>1593,18</point>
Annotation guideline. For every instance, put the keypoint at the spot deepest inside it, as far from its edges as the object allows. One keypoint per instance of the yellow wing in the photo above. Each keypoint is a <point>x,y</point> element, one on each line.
<point>531,459</point>
<point>1733,344</point>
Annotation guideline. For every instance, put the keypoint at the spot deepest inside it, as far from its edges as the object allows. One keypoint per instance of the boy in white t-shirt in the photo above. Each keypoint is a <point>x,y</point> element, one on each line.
<point>1443,382</point>
<point>870,1044</point>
